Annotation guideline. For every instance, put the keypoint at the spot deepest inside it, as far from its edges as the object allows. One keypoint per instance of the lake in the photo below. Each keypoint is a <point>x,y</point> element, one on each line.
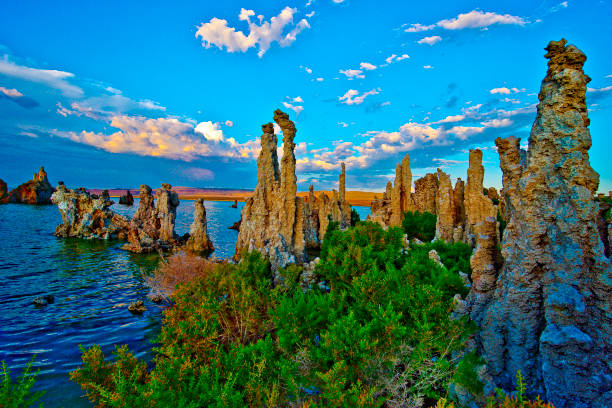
<point>93,282</point>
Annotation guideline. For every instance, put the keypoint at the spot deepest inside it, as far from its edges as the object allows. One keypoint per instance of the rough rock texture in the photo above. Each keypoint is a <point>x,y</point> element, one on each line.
<point>550,314</point>
<point>311,222</point>
<point>235,205</point>
<point>401,200</point>
<point>485,262</point>
<point>127,198</point>
<point>198,235</point>
<point>492,193</point>
<point>445,208</point>
<point>397,199</point>
<point>84,216</point>
<point>380,210</point>
<point>272,219</point>
<point>425,190</point>
<point>152,229</point>
<point>36,191</point>
<point>167,202</point>
<point>345,208</point>
<point>4,197</point>
<point>459,206</point>
<point>477,205</point>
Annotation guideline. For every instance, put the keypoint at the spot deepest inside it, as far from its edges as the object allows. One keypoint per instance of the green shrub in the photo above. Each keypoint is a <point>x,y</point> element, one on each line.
<point>375,330</point>
<point>19,394</point>
<point>355,218</point>
<point>419,225</point>
<point>466,375</point>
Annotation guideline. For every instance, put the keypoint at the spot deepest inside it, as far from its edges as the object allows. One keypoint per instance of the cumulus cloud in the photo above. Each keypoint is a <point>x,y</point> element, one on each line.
<point>165,137</point>
<point>430,40</point>
<point>352,73</point>
<point>473,19</point>
<point>451,119</point>
<point>49,77</point>
<point>596,90</point>
<point>395,58</point>
<point>13,93</point>
<point>296,108</point>
<point>504,91</point>
<point>367,66</point>
<point>217,32</point>
<point>352,97</point>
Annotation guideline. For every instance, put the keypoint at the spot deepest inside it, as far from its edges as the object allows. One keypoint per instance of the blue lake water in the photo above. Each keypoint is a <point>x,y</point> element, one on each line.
<point>93,282</point>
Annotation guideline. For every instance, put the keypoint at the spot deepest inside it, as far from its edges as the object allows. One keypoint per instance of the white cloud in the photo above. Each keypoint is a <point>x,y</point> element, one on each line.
<point>298,99</point>
<point>352,73</point>
<point>595,90</point>
<point>11,93</point>
<point>609,76</point>
<point>49,77</point>
<point>478,19</point>
<point>352,97</point>
<point>307,69</point>
<point>297,109</point>
<point>473,19</point>
<point>319,79</point>
<point>428,66</point>
<point>229,123</point>
<point>338,1</point>
<point>430,40</point>
<point>451,119</point>
<point>415,28</point>
<point>151,105</point>
<point>497,123</point>
<point>563,4</point>
<point>395,58</point>
<point>343,124</point>
<point>217,32</point>
<point>504,91</point>
<point>367,66</point>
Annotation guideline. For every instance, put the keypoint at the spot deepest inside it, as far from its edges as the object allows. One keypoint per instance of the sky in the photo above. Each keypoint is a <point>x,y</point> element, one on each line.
<point>110,93</point>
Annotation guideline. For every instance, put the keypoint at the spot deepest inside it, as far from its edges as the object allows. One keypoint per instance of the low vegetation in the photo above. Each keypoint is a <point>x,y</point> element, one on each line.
<point>419,225</point>
<point>18,394</point>
<point>373,330</point>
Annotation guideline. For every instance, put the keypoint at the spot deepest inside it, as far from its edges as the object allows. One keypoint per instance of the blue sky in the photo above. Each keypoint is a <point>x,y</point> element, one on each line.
<point>116,93</point>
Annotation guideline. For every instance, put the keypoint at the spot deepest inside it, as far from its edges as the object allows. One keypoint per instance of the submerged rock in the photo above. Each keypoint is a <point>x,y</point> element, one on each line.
<point>43,300</point>
<point>198,236</point>
<point>235,205</point>
<point>137,307</point>
<point>549,313</point>
<point>36,191</point>
<point>84,216</point>
<point>127,198</point>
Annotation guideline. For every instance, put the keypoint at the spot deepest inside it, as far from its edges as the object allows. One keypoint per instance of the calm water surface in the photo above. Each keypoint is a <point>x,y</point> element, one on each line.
<point>93,282</point>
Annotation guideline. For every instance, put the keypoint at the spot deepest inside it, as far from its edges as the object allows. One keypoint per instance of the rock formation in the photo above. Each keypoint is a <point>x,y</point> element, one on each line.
<point>445,208</point>
<point>152,229</point>
<point>198,235</point>
<point>397,199</point>
<point>127,198</point>
<point>36,191</point>
<point>381,209</point>
<point>550,313</point>
<point>345,208</point>
<point>425,190</point>
<point>4,197</point>
<point>603,226</point>
<point>84,216</point>
<point>477,206</point>
<point>272,219</point>
<point>235,205</point>
<point>459,207</point>
<point>167,202</point>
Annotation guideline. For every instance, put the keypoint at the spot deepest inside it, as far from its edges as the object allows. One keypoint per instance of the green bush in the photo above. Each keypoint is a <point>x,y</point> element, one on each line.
<point>355,218</point>
<point>19,394</point>
<point>375,329</point>
<point>419,225</point>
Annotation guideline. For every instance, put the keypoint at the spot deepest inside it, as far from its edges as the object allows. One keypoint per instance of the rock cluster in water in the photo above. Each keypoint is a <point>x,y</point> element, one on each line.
<point>127,198</point>
<point>548,310</point>
<point>274,220</point>
<point>86,215</point>
<point>458,209</point>
<point>151,228</point>
<point>36,191</point>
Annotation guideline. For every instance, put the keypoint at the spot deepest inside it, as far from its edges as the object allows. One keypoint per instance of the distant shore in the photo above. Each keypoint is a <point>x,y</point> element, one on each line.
<point>359,198</point>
